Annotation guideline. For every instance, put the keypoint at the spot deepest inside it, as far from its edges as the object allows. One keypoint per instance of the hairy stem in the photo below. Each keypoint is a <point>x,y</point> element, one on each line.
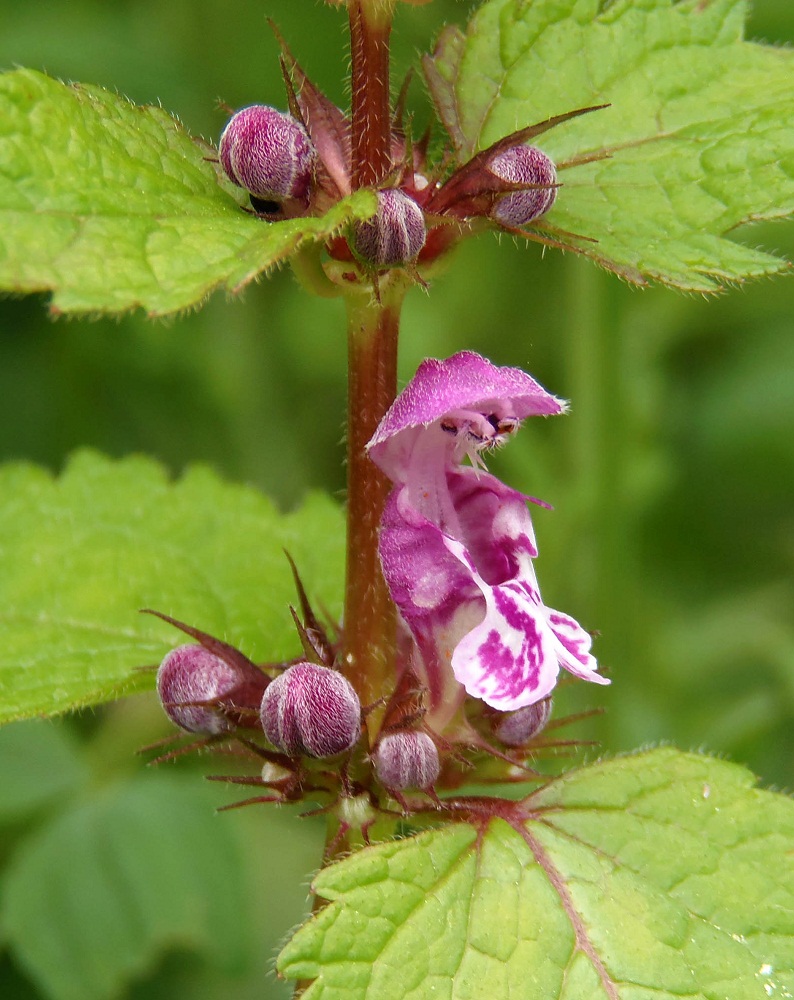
<point>372,326</point>
<point>370,616</point>
<point>370,28</point>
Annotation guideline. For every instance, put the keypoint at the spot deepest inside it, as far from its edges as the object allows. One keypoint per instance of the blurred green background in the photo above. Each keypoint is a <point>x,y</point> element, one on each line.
<point>672,535</point>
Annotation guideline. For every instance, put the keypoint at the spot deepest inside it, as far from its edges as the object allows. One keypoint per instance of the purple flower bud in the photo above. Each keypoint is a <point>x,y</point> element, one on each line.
<point>395,235</point>
<point>190,676</point>
<point>523,165</point>
<point>515,729</point>
<point>268,153</point>
<point>407,759</point>
<point>311,710</point>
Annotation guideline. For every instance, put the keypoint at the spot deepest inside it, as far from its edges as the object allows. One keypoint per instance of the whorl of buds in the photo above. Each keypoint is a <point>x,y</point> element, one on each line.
<point>524,165</point>
<point>515,729</point>
<point>268,153</point>
<point>407,759</point>
<point>395,235</point>
<point>311,711</point>
<point>190,679</point>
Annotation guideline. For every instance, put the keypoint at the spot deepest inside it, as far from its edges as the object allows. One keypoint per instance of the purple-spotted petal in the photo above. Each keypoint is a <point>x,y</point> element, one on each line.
<point>436,595</point>
<point>466,383</point>
<point>509,660</point>
<point>494,523</point>
<point>574,652</point>
<point>425,580</point>
<point>512,658</point>
<point>457,546</point>
<point>469,595</point>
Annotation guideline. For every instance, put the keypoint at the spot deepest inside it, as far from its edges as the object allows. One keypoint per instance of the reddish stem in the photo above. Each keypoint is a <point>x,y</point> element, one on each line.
<point>370,28</point>
<point>373,324</point>
<point>368,655</point>
<point>370,616</point>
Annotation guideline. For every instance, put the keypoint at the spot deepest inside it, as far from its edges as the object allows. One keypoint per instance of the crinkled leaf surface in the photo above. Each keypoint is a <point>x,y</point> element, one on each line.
<point>100,893</point>
<point>112,206</point>
<point>83,552</point>
<point>659,876</point>
<point>700,132</point>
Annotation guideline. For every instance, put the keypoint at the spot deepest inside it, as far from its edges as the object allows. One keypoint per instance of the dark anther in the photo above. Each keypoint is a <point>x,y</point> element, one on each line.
<point>263,206</point>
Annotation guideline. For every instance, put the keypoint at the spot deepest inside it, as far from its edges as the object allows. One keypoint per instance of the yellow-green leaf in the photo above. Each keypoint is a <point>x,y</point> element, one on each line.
<point>83,552</point>
<point>111,206</point>
<point>698,138</point>
<point>660,875</point>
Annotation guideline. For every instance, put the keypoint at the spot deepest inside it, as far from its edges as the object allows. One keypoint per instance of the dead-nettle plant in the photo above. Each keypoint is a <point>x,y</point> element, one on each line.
<point>635,134</point>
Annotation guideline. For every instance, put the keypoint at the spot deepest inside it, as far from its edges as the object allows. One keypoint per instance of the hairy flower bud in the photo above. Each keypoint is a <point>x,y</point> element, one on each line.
<point>189,680</point>
<point>395,235</point>
<point>407,759</point>
<point>311,710</point>
<point>269,154</point>
<point>524,165</point>
<point>517,728</point>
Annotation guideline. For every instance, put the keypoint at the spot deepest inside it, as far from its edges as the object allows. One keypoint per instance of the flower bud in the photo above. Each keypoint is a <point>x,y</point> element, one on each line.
<point>189,679</point>
<point>407,759</point>
<point>395,235</point>
<point>269,154</point>
<point>517,728</point>
<point>311,710</point>
<point>523,165</point>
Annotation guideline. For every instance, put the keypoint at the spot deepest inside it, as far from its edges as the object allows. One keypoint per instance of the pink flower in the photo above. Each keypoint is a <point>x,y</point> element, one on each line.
<point>457,545</point>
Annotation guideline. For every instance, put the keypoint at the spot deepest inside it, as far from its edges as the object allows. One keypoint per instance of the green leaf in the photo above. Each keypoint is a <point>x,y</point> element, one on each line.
<point>97,896</point>
<point>112,206</point>
<point>699,133</point>
<point>84,552</point>
<point>661,875</point>
<point>40,763</point>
